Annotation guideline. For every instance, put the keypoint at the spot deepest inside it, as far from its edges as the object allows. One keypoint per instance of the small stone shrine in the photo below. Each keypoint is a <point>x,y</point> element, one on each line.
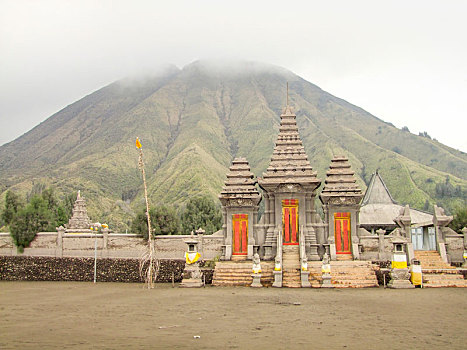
<point>400,274</point>
<point>79,222</point>
<point>192,272</point>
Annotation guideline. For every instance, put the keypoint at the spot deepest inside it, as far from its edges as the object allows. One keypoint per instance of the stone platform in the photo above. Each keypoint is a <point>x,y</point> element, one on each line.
<point>436,273</point>
<point>238,273</point>
<point>345,274</point>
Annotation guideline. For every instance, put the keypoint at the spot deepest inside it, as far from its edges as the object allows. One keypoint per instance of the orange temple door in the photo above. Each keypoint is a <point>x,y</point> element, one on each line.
<point>290,221</point>
<point>240,234</point>
<point>342,232</point>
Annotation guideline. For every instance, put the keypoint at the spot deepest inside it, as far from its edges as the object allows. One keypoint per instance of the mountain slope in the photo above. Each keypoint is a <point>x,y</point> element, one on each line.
<point>193,121</point>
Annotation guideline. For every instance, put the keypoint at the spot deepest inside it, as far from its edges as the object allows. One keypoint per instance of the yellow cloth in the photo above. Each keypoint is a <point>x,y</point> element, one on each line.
<point>416,275</point>
<point>326,268</point>
<point>399,264</point>
<point>138,144</point>
<point>399,261</point>
<point>191,258</point>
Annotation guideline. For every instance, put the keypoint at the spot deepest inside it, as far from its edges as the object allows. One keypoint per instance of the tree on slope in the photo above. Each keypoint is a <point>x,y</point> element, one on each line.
<point>42,213</point>
<point>13,203</point>
<point>164,221</point>
<point>201,212</point>
<point>460,219</point>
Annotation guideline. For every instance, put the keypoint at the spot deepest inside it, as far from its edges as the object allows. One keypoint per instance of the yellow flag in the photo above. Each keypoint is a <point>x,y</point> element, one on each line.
<point>138,144</point>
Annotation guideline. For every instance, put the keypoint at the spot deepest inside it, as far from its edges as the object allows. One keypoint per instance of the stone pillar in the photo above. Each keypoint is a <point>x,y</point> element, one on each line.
<point>380,233</point>
<point>309,230</point>
<point>309,208</point>
<point>313,242</point>
<point>224,222</point>
<point>266,209</point>
<point>200,233</point>
<point>464,232</point>
<point>105,237</point>
<point>270,240</point>
<point>272,211</point>
<point>59,249</point>
<point>326,222</point>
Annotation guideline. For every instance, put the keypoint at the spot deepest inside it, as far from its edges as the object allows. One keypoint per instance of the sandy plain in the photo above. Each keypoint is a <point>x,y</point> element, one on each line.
<point>81,315</point>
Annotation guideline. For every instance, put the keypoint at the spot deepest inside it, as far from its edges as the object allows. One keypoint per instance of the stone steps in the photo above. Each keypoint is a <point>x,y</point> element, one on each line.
<point>344,257</point>
<point>436,273</point>
<point>345,274</point>
<point>291,267</point>
<point>228,273</point>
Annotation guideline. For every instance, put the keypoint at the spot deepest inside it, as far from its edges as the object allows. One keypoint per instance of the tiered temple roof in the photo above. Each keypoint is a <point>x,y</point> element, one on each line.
<point>340,183</point>
<point>79,221</point>
<point>289,162</point>
<point>240,186</point>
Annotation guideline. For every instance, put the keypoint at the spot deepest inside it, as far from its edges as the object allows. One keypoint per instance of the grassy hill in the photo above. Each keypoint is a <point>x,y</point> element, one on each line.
<point>193,121</point>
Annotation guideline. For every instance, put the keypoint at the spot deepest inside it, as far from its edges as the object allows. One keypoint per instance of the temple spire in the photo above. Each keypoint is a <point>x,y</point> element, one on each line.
<point>287,99</point>
<point>289,162</point>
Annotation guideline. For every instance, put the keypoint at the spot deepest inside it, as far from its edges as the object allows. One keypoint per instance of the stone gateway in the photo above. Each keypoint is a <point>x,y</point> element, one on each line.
<point>291,239</point>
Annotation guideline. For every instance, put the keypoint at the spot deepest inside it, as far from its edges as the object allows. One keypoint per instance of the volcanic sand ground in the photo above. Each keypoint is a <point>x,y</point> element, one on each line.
<point>80,315</point>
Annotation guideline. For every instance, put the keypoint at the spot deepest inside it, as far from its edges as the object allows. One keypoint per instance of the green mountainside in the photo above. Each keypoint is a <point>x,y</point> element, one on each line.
<point>192,122</point>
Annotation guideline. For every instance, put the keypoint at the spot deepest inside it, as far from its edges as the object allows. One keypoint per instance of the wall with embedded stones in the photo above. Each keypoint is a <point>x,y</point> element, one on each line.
<point>110,245</point>
<point>45,268</point>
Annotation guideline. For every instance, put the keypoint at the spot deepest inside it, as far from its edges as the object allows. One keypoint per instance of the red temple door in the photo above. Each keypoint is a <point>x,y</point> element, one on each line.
<point>290,221</point>
<point>240,234</point>
<point>342,232</point>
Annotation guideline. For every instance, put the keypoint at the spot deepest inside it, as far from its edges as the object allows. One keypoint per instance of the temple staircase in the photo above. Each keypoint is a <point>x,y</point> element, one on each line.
<point>238,273</point>
<point>291,266</point>
<point>344,257</point>
<point>345,274</point>
<point>436,273</point>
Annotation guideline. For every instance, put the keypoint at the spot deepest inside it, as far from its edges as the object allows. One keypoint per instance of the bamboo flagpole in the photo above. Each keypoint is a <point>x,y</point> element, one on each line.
<point>150,271</point>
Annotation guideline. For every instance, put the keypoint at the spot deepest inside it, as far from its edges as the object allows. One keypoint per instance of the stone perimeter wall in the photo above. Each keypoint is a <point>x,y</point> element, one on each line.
<point>111,245</point>
<point>42,268</point>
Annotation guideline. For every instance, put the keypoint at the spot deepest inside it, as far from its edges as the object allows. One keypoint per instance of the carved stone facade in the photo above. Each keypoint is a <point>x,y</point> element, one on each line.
<point>290,176</point>
<point>341,198</point>
<point>240,199</point>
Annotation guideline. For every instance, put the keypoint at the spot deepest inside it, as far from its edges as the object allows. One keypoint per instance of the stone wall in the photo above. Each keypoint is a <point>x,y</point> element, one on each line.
<point>111,245</point>
<point>376,247</point>
<point>454,248</point>
<point>28,268</point>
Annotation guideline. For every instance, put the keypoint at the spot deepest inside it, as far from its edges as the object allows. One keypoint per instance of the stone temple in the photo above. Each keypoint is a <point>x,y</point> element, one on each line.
<point>359,229</point>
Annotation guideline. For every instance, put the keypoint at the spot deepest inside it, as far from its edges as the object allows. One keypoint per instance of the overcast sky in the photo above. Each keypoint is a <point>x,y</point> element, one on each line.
<point>403,61</point>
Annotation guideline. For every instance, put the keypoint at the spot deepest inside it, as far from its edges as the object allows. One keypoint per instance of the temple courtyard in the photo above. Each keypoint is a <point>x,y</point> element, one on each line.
<point>81,315</point>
